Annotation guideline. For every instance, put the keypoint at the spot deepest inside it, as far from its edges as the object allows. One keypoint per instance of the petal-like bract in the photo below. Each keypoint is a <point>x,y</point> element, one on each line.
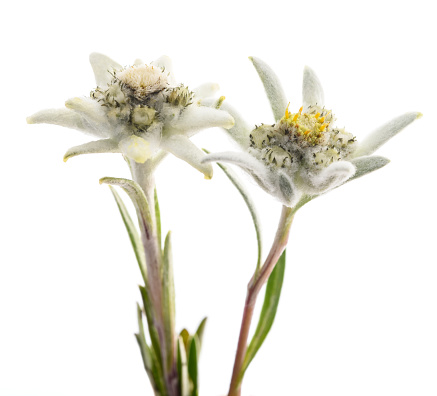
<point>180,146</point>
<point>384,133</point>
<point>195,118</point>
<point>95,147</point>
<point>273,87</point>
<point>312,91</point>
<point>103,66</point>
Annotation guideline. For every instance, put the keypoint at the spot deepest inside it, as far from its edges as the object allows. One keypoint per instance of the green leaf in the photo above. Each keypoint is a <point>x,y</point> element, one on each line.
<point>154,337</point>
<point>268,312</point>
<point>133,234</point>
<point>184,382</point>
<point>168,299</point>
<point>136,194</point>
<point>193,354</point>
<point>199,333</point>
<point>232,176</point>
<point>149,358</point>
<point>158,219</point>
<point>273,87</point>
<point>185,335</point>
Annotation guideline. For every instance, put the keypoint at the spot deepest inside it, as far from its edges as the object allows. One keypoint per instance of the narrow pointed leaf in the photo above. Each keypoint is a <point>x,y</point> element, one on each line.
<point>273,87</point>
<point>154,337</point>
<point>148,357</point>
<point>268,312</point>
<point>168,299</point>
<point>199,333</point>
<point>158,219</point>
<point>193,372</point>
<point>185,335</point>
<point>184,382</point>
<point>133,234</point>
<point>232,176</point>
<point>136,194</point>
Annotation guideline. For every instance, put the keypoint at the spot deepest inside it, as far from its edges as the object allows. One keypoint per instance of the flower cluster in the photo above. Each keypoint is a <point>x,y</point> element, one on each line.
<point>303,154</point>
<point>139,111</point>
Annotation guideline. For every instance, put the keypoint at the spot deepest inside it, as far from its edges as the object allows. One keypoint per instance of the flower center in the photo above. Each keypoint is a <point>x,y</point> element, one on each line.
<point>143,79</point>
<point>302,139</point>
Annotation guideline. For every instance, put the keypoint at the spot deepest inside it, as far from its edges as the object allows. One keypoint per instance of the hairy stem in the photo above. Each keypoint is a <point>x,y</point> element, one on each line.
<point>144,177</point>
<point>253,289</point>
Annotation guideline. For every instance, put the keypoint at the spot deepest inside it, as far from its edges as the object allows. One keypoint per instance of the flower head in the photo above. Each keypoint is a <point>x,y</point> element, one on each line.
<point>303,153</point>
<point>139,111</point>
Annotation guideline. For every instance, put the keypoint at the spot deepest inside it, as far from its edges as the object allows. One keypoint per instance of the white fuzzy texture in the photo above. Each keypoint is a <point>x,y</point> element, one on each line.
<point>312,91</point>
<point>327,179</point>
<point>182,147</point>
<point>206,90</point>
<point>165,63</point>
<point>94,147</point>
<point>195,118</point>
<point>384,133</point>
<point>136,148</point>
<point>103,66</point>
<point>92,112</point>
<point>272,86</point>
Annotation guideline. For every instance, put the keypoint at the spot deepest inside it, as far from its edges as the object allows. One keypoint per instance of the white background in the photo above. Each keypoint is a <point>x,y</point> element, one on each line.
<point>358,311</point>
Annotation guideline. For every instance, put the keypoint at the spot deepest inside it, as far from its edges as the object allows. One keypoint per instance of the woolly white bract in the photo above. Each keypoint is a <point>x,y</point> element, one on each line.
<point>139,111</point>
<point>303,153</point>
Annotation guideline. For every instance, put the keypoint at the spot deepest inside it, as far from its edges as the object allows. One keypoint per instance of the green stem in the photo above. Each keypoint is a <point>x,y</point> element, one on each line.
<point>256,283</point>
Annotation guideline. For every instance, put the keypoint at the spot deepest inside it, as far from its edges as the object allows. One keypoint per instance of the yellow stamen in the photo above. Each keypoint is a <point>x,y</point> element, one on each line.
<point>322,128</point>
<point>300,110</point>
<point>307,132</point>
<point>296,116</point>
<point>322,120</point>
<point>287,113</point>
<point>317,115</point>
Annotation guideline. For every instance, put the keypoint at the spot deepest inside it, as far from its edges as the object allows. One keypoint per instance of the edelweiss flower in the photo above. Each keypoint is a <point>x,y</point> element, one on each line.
<point>137,111</point>
<point>303,153</point>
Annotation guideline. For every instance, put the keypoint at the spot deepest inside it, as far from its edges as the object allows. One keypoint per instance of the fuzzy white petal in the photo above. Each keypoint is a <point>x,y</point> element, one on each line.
<point>195,118</point>
<point>241,130</point>
<point>62,117</point>
<point>365,165</point>
<point>92,111</point>
<point>312,91</point>
<point>166,63</point>
<point>206,90</point>
<point>181,147</point>
<point>136,148</point>
<point>138,62</point>
<point>287,193</point>
<point>248,163</point>
<point>272,86</point>
<point>102,67</point>
<point>95,147</point>
<point>327,179</point>
<point>384,133</point>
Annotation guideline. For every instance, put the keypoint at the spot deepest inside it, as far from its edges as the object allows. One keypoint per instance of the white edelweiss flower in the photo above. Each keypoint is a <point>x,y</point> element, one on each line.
<point>139,111</point>
<point>303,154</point>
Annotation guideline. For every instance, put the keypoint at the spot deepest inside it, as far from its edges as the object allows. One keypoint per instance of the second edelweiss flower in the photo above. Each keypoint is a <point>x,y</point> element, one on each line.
<point>139,111</point>
<point>303,153</point>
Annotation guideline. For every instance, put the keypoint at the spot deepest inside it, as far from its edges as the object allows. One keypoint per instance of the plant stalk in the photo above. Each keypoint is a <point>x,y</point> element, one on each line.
<point>256,283</point>
<point>153,251</point>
